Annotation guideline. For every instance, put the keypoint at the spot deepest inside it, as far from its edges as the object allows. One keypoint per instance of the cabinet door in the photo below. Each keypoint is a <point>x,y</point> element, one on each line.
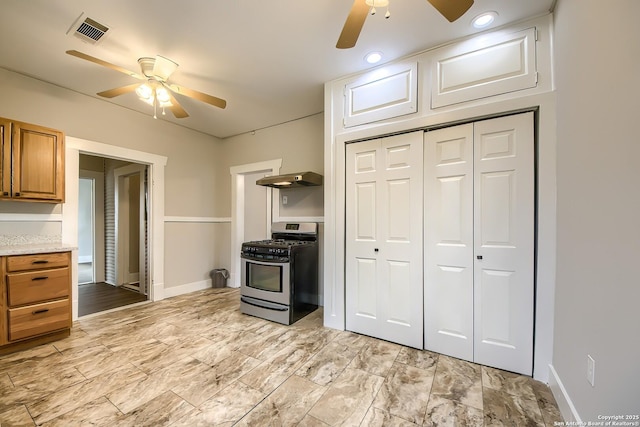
<point>38,163</point>
<point>384,239</point>
<point>5,158</point>
<point>39,319</point>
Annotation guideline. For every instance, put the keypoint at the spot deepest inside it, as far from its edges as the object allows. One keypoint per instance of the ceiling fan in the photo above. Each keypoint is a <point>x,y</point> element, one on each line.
<point>450,9</point>
<point>155,90</point>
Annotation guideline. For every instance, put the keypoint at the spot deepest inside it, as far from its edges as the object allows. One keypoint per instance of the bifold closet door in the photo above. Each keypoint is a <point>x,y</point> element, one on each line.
<point>504,232</point>
<point>383,277</point>
<point>479,242</point>
<point>448,237</point>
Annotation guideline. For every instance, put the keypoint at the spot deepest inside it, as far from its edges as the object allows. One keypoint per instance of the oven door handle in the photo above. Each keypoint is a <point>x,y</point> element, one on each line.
<point>271,263</point>
<point>264,304</point>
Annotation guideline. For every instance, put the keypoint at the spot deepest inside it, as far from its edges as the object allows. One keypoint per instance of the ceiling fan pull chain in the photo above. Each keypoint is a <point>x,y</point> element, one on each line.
<point>155,106</point>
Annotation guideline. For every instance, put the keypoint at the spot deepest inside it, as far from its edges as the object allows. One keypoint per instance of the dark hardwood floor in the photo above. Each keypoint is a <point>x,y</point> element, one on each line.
<point>96,297</point>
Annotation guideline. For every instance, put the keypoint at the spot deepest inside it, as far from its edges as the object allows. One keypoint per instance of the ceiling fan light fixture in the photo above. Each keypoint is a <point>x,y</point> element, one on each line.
<point>163,95</point>
<point>378,3</point>
<point>484,19</point>
<point>153,93</point>
<point>144,92</point>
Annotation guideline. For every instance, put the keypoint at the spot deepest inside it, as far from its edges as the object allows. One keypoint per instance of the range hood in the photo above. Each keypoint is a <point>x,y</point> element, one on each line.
<point>292,180</point>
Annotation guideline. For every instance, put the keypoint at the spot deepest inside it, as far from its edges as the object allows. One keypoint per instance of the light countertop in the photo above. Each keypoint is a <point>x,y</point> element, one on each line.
<point>35,248</point>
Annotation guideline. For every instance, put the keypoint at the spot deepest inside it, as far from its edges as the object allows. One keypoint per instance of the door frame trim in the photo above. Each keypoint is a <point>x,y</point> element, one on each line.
<point>156,173</point>
<point>122,261</point>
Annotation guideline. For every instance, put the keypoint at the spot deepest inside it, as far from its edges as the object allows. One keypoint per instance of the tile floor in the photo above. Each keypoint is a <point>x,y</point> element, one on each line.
<point>195,360</point>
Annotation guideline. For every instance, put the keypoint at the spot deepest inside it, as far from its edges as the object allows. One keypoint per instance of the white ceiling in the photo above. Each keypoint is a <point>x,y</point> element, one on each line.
<point>268,59</point>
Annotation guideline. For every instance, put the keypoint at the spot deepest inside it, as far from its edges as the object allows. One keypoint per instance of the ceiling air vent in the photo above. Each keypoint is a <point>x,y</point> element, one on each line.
<point>88,30</point>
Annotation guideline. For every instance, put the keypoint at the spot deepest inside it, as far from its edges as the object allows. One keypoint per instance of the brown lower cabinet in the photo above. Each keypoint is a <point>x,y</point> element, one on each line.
<point>36,299</point>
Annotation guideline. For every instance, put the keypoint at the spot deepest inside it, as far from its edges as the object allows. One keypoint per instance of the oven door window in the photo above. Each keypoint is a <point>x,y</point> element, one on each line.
<point>264,277</point>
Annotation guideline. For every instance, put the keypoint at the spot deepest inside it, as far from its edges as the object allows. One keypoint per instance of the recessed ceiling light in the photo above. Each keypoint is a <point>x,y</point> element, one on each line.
<point>484,19</point>
<point>373,57</point>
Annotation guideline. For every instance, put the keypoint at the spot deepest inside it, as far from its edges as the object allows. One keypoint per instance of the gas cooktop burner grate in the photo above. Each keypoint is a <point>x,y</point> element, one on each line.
<point>277,242</point>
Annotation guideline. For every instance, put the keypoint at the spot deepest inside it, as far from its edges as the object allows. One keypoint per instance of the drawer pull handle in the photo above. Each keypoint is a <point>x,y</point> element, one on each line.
<point>39,278</point>
<point>40,261</point>
<point>44,310</point>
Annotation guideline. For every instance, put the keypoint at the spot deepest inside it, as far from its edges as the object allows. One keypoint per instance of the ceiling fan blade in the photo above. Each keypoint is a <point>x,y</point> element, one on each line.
<point>176,108</point>
<point>104,64</point>
<point>163,68</point>
<point>451,9</point>
<point>216,102</point>
<point>353,25</point>
<point>119,90</point>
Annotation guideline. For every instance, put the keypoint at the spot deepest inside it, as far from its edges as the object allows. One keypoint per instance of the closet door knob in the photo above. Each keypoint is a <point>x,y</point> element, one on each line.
<point>375,250</point>
<point>479,257</point>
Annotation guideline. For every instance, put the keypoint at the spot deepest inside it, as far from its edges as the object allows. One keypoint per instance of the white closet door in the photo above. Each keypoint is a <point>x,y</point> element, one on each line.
<point>448,238</point>
<point>504,242</point>
<point>384,239</point>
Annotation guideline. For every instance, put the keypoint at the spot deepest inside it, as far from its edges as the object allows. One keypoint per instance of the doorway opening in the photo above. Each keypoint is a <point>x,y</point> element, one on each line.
<point>244,222</point>
<point>112,234</point>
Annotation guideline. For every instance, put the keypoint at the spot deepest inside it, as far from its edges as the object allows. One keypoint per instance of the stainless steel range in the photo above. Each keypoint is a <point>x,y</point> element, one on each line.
<point>280,275</point>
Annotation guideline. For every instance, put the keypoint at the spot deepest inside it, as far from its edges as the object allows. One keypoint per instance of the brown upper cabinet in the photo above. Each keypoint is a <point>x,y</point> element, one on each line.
<point>32,166</point>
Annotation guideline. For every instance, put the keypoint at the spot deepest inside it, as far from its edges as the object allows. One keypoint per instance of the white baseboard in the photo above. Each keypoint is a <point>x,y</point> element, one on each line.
<point>158,292</point>
<point>232,281</point>
<point>563,400</point>
<point>187,288</point>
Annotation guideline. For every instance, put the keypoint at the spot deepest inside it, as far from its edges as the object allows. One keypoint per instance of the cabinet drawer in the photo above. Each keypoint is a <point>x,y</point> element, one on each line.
<point>36,286</point>
<point>38,261</point>
<point>37,319</point>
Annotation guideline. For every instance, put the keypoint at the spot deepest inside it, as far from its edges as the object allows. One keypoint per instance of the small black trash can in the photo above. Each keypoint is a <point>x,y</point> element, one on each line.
<point>219,277</point>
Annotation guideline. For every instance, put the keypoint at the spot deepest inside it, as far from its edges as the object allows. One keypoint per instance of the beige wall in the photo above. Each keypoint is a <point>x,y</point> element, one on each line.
<point>190,182</point>
<point>91,163</point>
<point>598,242</point>
<point>300,146</point>
<point>197,178</point>
<point>189,173</point>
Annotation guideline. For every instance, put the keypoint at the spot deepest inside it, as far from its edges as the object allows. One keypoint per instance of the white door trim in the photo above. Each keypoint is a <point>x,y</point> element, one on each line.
<point>122,225</point>
<point>156,163</point>
<point>271,167</point>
